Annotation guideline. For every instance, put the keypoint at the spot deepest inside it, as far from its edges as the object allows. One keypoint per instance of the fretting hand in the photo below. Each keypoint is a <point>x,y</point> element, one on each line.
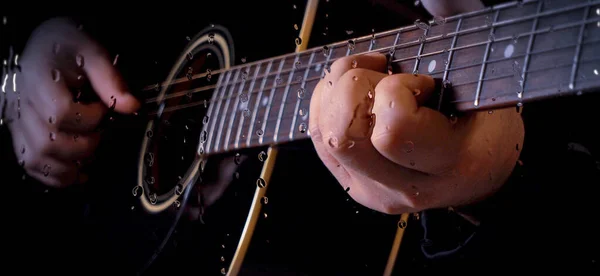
<point>394,154</point>
<point>52,131</point>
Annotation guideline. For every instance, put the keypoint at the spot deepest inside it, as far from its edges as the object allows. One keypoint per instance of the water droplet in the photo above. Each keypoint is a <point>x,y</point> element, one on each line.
<point>55,48</point>
<point>137,190</point>
<point>262,156</point>
<point>408,146</point>
<point>205,120</point>
<point>326,51</point>
<point>416,92</point>
<point>298,41</point>
<point>439,20</point>
<point>349,32</point>
<point>301,93</point>
<point>370,94</point>
<point>351,144</point>
<point>188,38</point>
<point>265,215</point>
<point>488,20</point>
<point>447,84</point>
<point>203,136</point>
<point>244,97</point>
<point>297,64</point>
<point>296,27</point>
<point>355,78</point>
<point>596,72</point>
<point>402,224</point>
<point>351,45</point>
<point>278,81</point>
<point>490,112</point>
<point>211,38</point>
<point>354,63</point>
<point>302,111</point>
<point>453,119</point>
<point>52,136</point>
<point>51,120</point>
<point>55,75</point>
<point>598,11</point>
<point>302,128</point>
<point>265,200</point>
<point>294,7</point>
<point>260,132</point>
<point>421,25</point>
<point>150,180</point>
<point>412,163</point>
<point>113,103</point>
<point>46,169</point>
<point>179,189</point>
<point>330,84</point>
<point>190,56</point>
<point>149,134</point>
<point>79,60</point>
<point>415,72</point>
<point>75,137</point>
<point>261,183</point>
<point>491,37</point>
<point>392,104</point>
<point>515,39</point>
<point>333,142</point>
<point>246,113</point>
<point>416,193</point>
<point>571,86</point>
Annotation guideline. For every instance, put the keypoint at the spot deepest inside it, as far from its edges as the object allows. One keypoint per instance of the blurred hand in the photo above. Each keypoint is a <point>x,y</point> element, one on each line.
<point>53,132</point>
<point>374,134</point>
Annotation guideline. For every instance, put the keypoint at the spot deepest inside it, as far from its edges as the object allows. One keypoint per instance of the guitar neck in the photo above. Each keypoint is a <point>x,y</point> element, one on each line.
<point>502,56</point>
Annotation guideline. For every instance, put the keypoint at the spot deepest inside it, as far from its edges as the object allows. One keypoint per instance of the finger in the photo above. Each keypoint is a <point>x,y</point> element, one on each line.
<point>47,140</point>
<point>411,135</point>
<point>372,61</point>
<point>317,138</point>
<point>54,104</point>
<point>106,80</point>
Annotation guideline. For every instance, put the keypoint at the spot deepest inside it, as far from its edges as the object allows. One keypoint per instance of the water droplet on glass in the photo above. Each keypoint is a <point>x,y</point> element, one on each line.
<point>355,78</point>
<point>571,86</point>
<point>392,104</point>
<point>177,203</point>
<point>237,159</point>
<point>326,51</point>
<point>260,132</point>
<point>349,32</point>
<point>262,156</point>
<point>203,136</point>
<point>412,163</point>
<point>246,113</point>
<point>113,103</point>
<point>153,198</point>
<point>296,27</point>
<point>188,38</point>
<point>190,56</point>
<point>55,75</point>
<point>351,144</point>
<point>79,60</point>
<point>265,215</point>
<point>333,142</point>
<point>491,37</point>
<point>261,183</point>
<point>515,39</point>
<point>415,72</point>
<point>302,111</point>
<point>211,38</point>
<point>265,200</point>
<point>294,7</point>
<point>179,189</point>
<point>22,163</point>
<point>278,81</point>
<point>453,118</point>
<point>150,180</point>
<point>416,92</point>
<point>51,120</point>
<point>137,190</point>
<point>301,93</point>
<point>298,41</point>
<point>402,224</point>
<point>302,128</point>
<point>149,134</point>
<point>370,94</point>
<point>297,64</point>
<point>408,146</point>
<point>330,84</point>
<point>46,169</point>
<point>75,137</point>
<point>354,63</point>
<point>439,20</point>
<point>351,45</point>
<point>52,136</point>
<point>244,97</point>
<point>205,120</point>
<point>421,25</point>
<point>596,72</point>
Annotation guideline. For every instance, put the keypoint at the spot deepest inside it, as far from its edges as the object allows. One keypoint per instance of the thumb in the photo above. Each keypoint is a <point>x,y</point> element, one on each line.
<point>108,82</point>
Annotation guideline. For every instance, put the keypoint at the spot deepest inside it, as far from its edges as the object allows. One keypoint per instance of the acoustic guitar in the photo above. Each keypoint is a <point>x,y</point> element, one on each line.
<point>502,56</point>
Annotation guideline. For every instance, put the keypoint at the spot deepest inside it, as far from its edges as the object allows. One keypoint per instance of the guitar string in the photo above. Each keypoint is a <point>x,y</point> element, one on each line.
<point>175,95</point>
<point>401,46</point>
<point>538,32</point>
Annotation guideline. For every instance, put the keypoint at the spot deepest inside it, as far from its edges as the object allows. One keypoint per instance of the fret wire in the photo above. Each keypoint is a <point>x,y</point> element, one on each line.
<point>268,109</point>
<point>298,100</point>
<point>209,113</point>
<point>483,65</point>
<point>418,57</point>
<point>224,114</point>
<point>213,121</point>
<point>284,99</point>
<point>234,111</point>
<point>578,49</point>
<point>509,75</point>
<point>242,119</point>
<point>449,61</point>
<point>529,47</point>
<point>450,69</point>
<point>255,111</point>
<point>412,27</point>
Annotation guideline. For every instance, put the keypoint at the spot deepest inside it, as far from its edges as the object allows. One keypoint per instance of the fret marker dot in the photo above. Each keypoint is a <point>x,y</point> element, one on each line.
<point>431,66</point>
<point>596,72</point>
<point>598,11</point>
<point>265,101</point>
<point>508,52</point>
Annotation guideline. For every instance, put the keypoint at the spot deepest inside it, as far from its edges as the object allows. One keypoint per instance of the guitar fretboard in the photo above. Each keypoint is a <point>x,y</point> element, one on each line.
<point>504,55</point>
